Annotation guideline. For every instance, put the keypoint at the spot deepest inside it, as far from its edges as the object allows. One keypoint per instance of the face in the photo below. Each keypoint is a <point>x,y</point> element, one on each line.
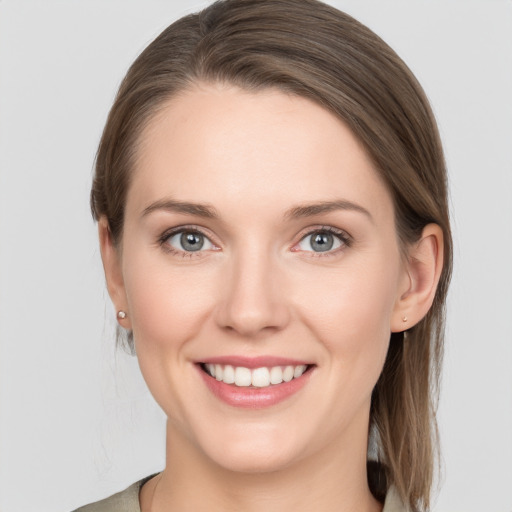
<point>260,271</point>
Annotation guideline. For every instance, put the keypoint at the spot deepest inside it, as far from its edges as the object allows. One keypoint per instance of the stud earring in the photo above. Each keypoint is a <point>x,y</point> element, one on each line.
<point>121,315</point>
<point>404,319</point>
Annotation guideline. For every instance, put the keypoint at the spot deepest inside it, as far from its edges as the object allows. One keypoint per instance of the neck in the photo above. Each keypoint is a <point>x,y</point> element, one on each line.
<point>332,481</point>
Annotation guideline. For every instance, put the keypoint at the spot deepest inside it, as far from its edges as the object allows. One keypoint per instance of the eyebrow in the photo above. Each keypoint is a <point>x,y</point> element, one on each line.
<point>171,205</point>
<point>297,212</point>
<point>310,210</point>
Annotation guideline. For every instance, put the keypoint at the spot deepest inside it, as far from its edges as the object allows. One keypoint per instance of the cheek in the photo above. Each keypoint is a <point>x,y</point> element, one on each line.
<point>167,308</point>
<point>351,311</point>
<point>166,304</point>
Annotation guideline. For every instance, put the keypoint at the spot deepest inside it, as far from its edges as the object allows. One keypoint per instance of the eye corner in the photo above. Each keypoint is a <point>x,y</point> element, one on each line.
<point>337,240</point>
<point>173,241</point>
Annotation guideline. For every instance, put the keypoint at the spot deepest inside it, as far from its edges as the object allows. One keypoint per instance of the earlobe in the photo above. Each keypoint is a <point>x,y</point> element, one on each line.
<point>424,266</point>
<point>113,272</point>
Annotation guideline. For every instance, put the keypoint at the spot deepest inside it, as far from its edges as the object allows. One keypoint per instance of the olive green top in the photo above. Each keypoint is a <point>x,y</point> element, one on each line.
<point>128,501</point>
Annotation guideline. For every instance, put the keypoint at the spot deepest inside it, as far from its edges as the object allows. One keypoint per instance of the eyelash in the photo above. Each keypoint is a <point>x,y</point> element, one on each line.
<point>164,238</point>
<point>345,239</point>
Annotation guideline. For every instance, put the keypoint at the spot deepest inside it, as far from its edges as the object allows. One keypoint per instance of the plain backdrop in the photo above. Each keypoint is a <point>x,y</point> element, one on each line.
<point>76,421</point>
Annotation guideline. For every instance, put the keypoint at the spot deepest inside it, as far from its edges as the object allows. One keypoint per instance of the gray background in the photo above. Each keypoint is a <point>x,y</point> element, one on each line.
<point>76,421</point>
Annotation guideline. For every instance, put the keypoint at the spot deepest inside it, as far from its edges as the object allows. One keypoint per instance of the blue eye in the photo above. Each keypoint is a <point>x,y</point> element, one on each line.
<point>322,241</point>
<point>189,241</point>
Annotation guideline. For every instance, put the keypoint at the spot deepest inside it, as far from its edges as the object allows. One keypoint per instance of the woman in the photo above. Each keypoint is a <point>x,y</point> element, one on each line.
<point>271,199</point>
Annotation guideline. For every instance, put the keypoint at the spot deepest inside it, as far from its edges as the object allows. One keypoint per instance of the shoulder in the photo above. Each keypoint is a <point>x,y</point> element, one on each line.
<point>124,501</point>
<point>128,501</point>
<point>393,502</point>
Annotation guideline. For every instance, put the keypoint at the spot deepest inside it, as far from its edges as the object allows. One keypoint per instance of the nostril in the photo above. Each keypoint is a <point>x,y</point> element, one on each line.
<point>250,305</point>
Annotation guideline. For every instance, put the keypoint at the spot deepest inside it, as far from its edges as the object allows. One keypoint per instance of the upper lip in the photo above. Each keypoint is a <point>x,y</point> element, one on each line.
<point>254,362</point>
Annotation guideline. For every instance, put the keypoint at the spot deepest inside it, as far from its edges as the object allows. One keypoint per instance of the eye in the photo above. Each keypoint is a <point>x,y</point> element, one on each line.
<point>189,241</point>
<point>322,240</point>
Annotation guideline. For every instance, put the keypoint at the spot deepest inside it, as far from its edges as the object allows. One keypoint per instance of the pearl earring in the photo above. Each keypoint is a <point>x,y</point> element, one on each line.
<point>121,315</point>
<point>404,319</point>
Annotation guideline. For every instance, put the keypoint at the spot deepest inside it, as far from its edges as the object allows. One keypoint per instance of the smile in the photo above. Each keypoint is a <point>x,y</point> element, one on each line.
<point>258,377</point>
<point>254,383</point>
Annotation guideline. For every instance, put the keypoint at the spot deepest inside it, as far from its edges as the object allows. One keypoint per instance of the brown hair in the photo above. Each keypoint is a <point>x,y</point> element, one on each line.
<point>307,48</point>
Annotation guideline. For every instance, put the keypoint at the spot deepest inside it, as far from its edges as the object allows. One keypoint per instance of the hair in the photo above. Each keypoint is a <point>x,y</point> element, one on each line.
<point>309,49</point>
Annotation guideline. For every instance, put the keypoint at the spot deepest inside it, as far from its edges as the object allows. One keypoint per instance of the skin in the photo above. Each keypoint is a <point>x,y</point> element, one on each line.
<point>259,288</point>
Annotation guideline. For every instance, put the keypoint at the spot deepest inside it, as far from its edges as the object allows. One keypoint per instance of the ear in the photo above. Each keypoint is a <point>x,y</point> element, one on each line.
<point>423,269</point>
<point>111,258</point>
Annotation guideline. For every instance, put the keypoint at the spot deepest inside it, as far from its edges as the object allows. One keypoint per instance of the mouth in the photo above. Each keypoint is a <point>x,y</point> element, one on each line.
<point>254,383</point>
<point>262,377</point>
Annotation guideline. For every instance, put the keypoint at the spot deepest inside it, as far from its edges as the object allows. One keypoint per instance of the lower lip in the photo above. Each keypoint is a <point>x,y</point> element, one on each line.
<point>254,398</point>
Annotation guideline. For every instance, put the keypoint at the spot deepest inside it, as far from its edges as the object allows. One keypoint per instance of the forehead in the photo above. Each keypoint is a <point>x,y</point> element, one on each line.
<point>216,142</point>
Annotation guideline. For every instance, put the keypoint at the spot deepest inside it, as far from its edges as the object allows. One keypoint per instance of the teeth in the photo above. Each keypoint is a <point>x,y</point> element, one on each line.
<point>242,376</point>
<point>258,378</point>
<point>276,375</point>
<point>288,373</point>
<point>229,374</point>
<point>298,371</point>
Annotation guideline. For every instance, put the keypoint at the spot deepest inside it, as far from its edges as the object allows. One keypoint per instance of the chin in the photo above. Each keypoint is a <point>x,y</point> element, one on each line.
<point>254,463</point>
<point>258,455</point>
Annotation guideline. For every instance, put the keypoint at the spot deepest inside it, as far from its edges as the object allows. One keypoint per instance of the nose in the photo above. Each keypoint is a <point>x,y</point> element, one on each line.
<point>253,298</point>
